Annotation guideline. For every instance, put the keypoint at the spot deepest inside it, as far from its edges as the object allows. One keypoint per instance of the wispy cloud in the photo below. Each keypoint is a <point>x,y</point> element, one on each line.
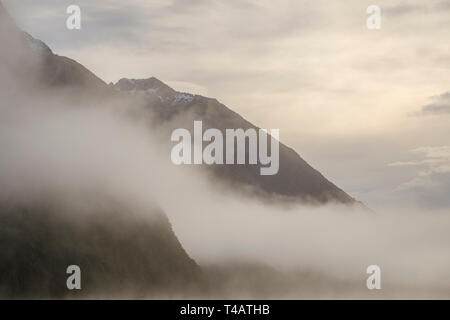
<point>433,156</point>
<point>440,105</point>
<point>432,179</point>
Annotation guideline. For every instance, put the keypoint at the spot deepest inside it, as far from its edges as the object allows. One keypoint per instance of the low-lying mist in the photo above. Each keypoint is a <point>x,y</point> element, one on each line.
<point>76,155</point>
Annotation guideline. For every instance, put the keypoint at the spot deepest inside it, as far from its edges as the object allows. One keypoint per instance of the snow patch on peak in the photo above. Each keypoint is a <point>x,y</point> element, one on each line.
<point>153,87</point>
<point>181,96</point>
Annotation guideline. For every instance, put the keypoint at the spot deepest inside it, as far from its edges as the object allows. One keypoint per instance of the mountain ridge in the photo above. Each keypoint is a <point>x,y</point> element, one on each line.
<point>296,178</point>
<point>216,115</point>
<point>120,249</point>
<point>112,243</point>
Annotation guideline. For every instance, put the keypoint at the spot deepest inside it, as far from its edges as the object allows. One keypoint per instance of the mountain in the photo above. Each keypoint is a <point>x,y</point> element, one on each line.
<point>120,251</point>
<point>34,63</point>
<point>116,246</point>
<point>296,179</point>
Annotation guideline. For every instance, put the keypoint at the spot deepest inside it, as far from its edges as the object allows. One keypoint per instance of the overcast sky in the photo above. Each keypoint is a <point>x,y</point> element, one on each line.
<point>370,109</point>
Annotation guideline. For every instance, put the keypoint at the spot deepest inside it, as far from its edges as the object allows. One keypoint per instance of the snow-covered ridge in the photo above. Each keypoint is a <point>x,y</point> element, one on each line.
<point>181,96</point>
<point>153,86</point>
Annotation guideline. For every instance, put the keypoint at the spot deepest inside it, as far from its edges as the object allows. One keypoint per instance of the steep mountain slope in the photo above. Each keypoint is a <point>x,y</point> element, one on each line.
<point>116,246</point>
<point>295,179</point>
<point>34,63</point>
<point>119,250</point>
<point>119,253</point>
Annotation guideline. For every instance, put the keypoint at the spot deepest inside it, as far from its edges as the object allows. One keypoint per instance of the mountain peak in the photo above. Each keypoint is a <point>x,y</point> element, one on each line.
<point>37,45</point>
<point>5,18</point>
<point>296,178</point>
<point>153,87</point>
<point>151,83</point>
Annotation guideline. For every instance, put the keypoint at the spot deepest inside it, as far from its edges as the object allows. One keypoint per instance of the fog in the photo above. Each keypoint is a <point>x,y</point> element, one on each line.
<point>75,154</point>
